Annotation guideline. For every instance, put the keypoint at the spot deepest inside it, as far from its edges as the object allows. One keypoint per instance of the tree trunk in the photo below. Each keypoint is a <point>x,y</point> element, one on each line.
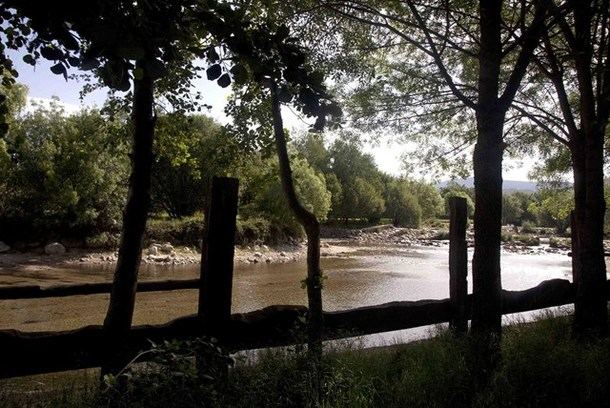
<point>122,298</point>
<point>486,283</point>
<point>486,278</point>
<point>312,230</point>
<point>590,307</point>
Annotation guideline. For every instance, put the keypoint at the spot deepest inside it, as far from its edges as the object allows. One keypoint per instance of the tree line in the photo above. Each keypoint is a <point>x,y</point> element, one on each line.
<point>65,175</point>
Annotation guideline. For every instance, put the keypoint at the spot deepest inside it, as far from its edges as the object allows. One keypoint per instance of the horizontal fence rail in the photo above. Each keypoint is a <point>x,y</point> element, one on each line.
<point>25,353</point>
<point>39,292</point>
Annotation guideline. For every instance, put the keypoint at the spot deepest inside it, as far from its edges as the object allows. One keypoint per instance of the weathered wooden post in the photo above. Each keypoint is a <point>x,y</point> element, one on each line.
<point>217,253</point>
<point>216,283</point>
<point>458,264</point>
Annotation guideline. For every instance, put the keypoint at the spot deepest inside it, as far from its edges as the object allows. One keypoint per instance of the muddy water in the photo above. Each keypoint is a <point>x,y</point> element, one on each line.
<point>367,277</point>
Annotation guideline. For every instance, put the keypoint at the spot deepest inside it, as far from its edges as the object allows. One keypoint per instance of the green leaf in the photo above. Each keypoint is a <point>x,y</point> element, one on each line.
<point>213,72</point>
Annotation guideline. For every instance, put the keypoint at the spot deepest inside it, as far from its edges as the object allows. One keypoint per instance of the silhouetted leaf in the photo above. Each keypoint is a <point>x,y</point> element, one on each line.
<point>240,73</point>
<point>284,95</point>
<point>28,59</point>
<point>213,72</point>
<point>156,68</point>
<point>130,53</point>
<point>212,55</point>
<point>224,81</point>
<point>60,69</point>
<point>75,62</point>
<point>88,64</point>
<point>282,32</point>
<point>51,53</point>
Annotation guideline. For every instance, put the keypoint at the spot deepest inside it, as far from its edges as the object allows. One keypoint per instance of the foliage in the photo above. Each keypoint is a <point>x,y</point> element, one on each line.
<point>428,197</point>
<point>553,207</point>
<point>402,206</point>
<point>458,193</point>
<point>359,178</point>
<point>515,208</point>
<point>172,367</point>
<point>189,151</point>
<point>66,174</point>
<point>310,188</point>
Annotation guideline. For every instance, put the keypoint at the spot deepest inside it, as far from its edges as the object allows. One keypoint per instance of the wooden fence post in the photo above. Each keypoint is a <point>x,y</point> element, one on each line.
<point>458,264</point>
<point>217,253</point>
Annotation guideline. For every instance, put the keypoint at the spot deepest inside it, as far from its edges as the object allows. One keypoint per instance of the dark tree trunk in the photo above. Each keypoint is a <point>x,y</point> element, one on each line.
<point>487,296</point>
<point>312,230</point>
<point>122,298</point>
<point>590,308</point>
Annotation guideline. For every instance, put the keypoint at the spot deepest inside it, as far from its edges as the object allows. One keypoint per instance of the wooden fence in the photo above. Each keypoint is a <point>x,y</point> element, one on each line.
<point>25,353</point>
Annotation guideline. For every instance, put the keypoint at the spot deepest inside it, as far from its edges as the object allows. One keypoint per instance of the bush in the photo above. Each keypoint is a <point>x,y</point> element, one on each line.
<point>65,177</point>
<point>186,231</point>
<point>104,240</point>
<point>442,234</point>
<point>528,227</point>
<point>527,240</point>
<point>261,230</point>
<point>402,206</point>
<point>561,243</point>
<point>457,193</point>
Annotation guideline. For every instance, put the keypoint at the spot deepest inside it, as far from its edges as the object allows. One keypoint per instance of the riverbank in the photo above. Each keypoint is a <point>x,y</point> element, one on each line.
<point>337,242</point>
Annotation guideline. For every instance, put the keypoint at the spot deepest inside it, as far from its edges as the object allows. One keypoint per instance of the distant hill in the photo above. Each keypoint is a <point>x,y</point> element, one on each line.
<point>508,185</point>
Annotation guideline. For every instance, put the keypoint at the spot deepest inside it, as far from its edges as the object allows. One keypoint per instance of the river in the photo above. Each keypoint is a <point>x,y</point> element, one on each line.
<point>368,276</point>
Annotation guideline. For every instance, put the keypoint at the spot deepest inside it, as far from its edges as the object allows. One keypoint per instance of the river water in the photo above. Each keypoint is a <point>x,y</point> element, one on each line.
<point>368,276</point>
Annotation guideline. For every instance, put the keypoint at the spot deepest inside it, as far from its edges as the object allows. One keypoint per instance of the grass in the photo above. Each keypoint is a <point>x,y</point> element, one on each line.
<point>541,366</point>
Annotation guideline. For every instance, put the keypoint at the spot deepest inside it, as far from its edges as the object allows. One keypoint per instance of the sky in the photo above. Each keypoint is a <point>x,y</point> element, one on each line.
<point>43,85</point>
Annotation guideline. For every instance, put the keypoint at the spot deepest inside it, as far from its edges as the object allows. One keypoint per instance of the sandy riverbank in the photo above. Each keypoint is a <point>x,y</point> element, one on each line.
<point>342,243</point>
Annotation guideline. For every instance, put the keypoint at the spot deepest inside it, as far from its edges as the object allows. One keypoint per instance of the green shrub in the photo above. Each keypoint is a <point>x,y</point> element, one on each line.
<point>66,175</point>
<point>186,231</point>
<point>528,227</point>
<point>264,231</point>
<point>442,234</point>
<point>562,243</point>
<point>527,240</point>
<point>104,240</point>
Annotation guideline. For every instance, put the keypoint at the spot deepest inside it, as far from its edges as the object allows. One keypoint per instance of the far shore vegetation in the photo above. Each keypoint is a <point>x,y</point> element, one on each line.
<point>63,177</point>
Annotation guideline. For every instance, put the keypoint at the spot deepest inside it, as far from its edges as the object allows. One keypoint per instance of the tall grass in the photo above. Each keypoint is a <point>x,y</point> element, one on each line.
<point>541,366</point>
